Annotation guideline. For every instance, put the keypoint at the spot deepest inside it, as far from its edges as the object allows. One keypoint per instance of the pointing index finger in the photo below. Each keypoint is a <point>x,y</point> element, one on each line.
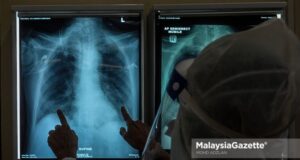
<point>62,118</point>
<point>125,114</point>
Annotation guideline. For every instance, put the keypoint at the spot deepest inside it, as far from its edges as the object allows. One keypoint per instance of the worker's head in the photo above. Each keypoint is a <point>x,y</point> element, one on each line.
<point>242,85</point>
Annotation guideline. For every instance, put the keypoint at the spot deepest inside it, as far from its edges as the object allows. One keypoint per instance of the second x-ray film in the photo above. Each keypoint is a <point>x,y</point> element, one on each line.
<point>87,66</point>
<point>182,37</point>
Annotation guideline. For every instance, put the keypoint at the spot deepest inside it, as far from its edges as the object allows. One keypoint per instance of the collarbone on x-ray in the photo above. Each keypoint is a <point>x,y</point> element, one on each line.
<point>88,70</point>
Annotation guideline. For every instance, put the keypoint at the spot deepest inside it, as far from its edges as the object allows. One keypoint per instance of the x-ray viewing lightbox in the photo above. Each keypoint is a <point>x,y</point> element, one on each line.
<point>86,62</point>
<point>182,32</point>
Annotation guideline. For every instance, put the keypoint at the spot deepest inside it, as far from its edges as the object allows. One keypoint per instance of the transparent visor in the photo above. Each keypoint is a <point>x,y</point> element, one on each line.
<point>166,115</point>
<point>162,126</point>
<point>176,95</point>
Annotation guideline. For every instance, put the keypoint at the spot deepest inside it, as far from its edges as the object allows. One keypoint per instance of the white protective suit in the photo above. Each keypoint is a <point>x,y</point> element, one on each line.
<point>246,85</point>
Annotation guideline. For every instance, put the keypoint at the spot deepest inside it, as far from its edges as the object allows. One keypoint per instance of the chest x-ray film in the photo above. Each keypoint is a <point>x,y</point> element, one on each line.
<point>87,66</point>
<point>183,37</point>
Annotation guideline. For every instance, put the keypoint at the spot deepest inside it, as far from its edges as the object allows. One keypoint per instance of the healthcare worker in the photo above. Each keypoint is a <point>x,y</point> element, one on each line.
<point>242,85</point>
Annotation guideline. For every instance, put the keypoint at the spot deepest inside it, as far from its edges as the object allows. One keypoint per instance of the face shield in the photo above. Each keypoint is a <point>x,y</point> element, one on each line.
<point>242,86</point>
<point>165,118</point>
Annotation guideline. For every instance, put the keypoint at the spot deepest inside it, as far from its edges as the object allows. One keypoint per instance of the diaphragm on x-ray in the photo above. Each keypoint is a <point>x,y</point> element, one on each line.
<point>86,66</point>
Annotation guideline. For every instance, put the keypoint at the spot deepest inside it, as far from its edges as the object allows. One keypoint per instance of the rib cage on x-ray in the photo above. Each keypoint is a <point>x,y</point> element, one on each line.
<point>87,71</point>
<point>189,45</point>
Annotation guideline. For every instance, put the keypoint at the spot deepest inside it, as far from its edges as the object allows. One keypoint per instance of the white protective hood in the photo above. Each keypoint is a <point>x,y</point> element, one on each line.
<point>247,82</point>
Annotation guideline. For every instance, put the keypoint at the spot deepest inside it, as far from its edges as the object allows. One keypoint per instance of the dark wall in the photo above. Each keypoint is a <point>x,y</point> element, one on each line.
<point>6,54</point>
<point>297,30</point>
<point>297,17</point>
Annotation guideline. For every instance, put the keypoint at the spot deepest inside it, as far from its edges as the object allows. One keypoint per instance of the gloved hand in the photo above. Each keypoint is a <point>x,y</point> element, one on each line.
<point>137,131</point>
<point>63,140</point>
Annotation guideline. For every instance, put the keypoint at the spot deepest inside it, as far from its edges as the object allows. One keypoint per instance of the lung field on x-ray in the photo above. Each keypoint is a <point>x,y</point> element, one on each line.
<point>88,67</point>
<point>189,45</point>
